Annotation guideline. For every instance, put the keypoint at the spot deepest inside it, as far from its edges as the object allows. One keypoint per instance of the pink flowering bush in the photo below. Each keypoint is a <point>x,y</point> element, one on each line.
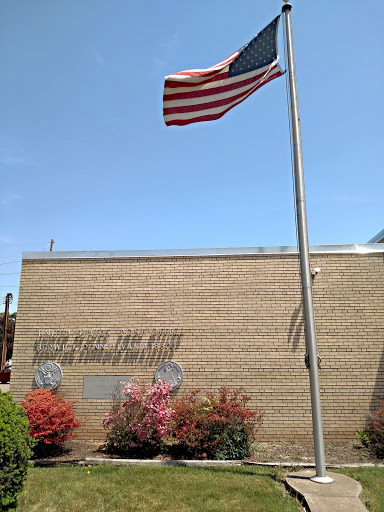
<point>137,424</point>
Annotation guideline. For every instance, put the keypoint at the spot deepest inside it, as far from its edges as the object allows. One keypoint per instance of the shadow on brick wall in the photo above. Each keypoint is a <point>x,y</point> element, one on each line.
<point>296,327</point>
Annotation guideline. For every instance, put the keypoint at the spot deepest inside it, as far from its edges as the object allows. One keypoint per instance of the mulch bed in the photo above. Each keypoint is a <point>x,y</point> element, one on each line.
<point>335,453</point>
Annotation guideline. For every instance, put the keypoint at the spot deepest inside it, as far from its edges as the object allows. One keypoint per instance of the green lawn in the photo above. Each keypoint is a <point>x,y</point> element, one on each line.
<point>141,488</point>
<point>372,482</point>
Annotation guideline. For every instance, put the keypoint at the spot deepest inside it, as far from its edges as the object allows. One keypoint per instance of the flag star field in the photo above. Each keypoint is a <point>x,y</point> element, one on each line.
<point>259,52</point>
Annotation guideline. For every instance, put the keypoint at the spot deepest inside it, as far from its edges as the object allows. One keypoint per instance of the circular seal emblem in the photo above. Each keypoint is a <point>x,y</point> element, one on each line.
<point>169,371</point>
<point>48,375</point>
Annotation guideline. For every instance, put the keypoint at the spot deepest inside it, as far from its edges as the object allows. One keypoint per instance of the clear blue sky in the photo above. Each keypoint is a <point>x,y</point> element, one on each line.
<point>87,160</point>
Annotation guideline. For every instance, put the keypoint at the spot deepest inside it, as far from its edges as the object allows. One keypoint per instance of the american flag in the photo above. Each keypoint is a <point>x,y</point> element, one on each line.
<point>207,94</point>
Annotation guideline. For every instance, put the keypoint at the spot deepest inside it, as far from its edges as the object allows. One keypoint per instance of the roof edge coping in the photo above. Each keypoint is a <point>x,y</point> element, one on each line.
<point>161,253</point>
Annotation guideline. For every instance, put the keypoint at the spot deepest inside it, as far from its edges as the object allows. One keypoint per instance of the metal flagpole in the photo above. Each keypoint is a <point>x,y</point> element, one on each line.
<point>8,299</point>
<point>302,228</point>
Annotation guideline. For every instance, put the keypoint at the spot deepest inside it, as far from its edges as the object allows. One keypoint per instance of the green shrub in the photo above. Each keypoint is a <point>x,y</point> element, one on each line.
<point>363,437</point>
<point>15,444</point>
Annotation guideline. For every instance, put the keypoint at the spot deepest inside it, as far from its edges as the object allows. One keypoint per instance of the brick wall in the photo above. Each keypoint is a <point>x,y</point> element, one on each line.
<point>242,325</point>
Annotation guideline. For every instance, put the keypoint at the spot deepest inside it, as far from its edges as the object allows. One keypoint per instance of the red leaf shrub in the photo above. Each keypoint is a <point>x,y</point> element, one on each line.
<point>51,418</point>
<point>221,427</point>
<point>376,429</point>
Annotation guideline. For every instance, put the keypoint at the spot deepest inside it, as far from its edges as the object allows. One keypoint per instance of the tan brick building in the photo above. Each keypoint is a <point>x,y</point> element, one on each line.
<point>227,316</point>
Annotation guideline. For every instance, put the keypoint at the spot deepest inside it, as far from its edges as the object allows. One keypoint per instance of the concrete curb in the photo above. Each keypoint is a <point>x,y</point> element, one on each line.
<point>134,462</point>
<point>189,463</point>
<point>312,464</point>
<point>146,462</point>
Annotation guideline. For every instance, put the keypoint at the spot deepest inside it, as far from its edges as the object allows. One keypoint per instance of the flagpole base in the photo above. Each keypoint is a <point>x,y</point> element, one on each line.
<point>322,479</point>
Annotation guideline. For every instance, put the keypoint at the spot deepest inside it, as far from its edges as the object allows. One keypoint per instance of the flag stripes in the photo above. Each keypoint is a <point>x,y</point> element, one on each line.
<point>207,94</point>
<point>189,109</point>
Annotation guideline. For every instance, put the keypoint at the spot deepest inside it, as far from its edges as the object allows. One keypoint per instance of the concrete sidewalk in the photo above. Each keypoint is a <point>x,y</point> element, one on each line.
<point>342,495</point>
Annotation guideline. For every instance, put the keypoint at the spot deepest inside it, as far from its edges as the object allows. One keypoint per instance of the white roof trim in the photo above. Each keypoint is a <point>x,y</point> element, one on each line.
<point>287,249</point>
